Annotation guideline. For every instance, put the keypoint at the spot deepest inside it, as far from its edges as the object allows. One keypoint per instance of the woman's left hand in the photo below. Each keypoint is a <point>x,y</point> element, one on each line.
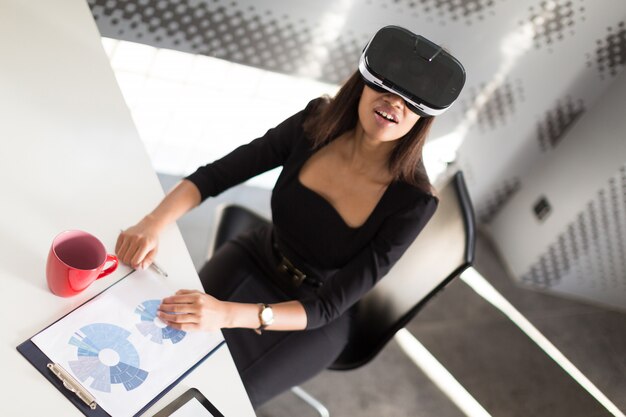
<point>193,310</point>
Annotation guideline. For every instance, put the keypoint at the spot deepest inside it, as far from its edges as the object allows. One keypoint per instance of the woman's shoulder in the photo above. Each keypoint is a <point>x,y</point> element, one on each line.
<point>419,185</point>
<point>316,105</point>
<point>294,124</point>
<point>411,195</point>
<point>423,184</point>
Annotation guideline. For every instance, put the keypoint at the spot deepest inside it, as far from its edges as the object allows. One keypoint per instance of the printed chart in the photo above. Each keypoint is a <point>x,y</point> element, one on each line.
<point>106,356</point>
<point>153,327</point>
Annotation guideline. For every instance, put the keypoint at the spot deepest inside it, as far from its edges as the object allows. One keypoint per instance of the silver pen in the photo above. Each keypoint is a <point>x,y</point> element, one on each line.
<point>157,268</point>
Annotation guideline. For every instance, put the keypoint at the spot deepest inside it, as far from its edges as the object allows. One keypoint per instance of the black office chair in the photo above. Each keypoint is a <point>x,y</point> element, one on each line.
<point>443,250</point>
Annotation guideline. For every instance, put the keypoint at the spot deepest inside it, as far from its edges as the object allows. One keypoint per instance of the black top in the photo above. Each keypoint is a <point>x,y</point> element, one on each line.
<point>308,229</point>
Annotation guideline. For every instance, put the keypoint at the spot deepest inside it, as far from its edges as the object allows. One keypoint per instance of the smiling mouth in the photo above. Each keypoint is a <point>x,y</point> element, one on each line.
<point>386,116</point>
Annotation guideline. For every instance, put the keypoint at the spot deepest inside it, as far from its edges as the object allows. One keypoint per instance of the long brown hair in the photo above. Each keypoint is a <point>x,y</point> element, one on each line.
<point>335,116</point>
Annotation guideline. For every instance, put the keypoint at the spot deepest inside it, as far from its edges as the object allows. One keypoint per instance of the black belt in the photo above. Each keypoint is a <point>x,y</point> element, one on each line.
<point>296,276</point>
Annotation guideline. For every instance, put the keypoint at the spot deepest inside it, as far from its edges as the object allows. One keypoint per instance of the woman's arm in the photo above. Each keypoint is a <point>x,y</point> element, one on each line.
<point>350,283</point>
<point>195,310</point>
<point>137,246</point>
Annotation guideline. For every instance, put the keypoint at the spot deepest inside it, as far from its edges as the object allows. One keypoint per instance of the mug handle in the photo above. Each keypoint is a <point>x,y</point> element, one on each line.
<point>110,258</point>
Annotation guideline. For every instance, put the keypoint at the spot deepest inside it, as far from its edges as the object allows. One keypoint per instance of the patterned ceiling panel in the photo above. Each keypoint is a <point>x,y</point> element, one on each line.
<point>441,11</point>
<point>557,121</point>
<point>489,207</point>
<point>610,54</point>
<point>500,106</point>
<point>551,21</point>
<point>245,34</point>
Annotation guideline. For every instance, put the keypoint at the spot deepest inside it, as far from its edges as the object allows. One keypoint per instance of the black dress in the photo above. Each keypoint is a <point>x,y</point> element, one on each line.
<point>308,231</point>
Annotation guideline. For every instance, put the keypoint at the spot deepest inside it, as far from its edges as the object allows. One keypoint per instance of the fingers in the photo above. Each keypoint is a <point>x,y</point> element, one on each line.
<point>191,310</point>
<point>184,298</point>
<point>147,261</point>
<point>122,249</point>
<point>136,247</point>
<point>177,318</point>
<point>184,302</point>
<point>133,256</point>
<point>186,327</point>
<point>183,291</point>
<point>145,254</point>
<point>185,322</point>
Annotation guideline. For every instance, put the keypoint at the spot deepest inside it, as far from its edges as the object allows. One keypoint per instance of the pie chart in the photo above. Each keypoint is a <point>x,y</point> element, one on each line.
<point>107,357</point>
<point>153,327</point>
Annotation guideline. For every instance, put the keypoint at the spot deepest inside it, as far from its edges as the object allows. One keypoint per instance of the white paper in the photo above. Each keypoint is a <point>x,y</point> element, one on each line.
<point>119,351</point>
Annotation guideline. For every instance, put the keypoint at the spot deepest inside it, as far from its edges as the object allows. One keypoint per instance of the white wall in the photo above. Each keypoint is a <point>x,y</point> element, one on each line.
<point>578,249</point>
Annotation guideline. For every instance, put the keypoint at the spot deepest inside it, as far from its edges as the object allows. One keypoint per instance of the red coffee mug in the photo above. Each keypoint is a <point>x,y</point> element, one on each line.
<point>76,259</point>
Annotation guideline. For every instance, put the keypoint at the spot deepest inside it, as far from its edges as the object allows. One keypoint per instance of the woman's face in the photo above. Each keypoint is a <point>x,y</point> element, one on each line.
<point>384,116</point>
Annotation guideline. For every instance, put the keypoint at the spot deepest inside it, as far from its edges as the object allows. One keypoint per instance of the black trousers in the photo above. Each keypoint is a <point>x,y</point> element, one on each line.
<point>276,360</point>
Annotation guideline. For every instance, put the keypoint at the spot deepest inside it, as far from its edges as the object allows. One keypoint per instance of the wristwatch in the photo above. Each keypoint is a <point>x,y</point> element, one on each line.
<point>266,317</point>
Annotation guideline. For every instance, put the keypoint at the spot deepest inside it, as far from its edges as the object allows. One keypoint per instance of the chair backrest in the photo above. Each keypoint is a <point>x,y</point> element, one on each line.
<point>443,250</point>
<point>231,221</point>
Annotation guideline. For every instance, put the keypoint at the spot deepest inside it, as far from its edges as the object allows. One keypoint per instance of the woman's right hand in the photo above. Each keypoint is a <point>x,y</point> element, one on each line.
<point>138,245</point>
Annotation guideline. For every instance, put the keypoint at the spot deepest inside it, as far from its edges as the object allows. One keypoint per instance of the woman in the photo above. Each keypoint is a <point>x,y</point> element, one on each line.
<point>352,196</point>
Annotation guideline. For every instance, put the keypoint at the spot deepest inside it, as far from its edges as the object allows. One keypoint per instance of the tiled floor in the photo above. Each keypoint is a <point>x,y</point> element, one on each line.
<point>497,364</point>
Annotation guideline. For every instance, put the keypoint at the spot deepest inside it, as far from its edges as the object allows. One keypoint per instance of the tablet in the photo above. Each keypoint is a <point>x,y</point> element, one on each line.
<point>190,404</point>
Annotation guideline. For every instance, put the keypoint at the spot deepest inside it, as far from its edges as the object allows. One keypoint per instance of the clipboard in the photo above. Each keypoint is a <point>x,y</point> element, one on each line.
<point>73,389</point>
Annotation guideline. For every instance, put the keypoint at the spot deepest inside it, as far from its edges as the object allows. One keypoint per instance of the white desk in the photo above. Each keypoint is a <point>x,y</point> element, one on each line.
<point>70,158</point>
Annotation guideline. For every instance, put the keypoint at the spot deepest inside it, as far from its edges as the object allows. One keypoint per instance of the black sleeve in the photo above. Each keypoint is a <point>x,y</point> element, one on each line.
<point>262,154</point>
<point>350,283</point>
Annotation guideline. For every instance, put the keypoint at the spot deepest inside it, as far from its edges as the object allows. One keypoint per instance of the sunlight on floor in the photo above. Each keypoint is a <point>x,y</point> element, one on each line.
<point>192,109</point>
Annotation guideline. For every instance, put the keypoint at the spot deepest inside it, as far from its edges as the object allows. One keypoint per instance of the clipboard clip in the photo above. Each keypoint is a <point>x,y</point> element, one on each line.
<point>72,385</point>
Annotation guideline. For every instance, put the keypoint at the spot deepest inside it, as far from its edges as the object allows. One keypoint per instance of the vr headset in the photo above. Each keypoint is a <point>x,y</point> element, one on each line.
<point>398,61</point>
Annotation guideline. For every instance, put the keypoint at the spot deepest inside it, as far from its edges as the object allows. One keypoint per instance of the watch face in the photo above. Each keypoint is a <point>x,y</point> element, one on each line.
<point>267,315</point>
